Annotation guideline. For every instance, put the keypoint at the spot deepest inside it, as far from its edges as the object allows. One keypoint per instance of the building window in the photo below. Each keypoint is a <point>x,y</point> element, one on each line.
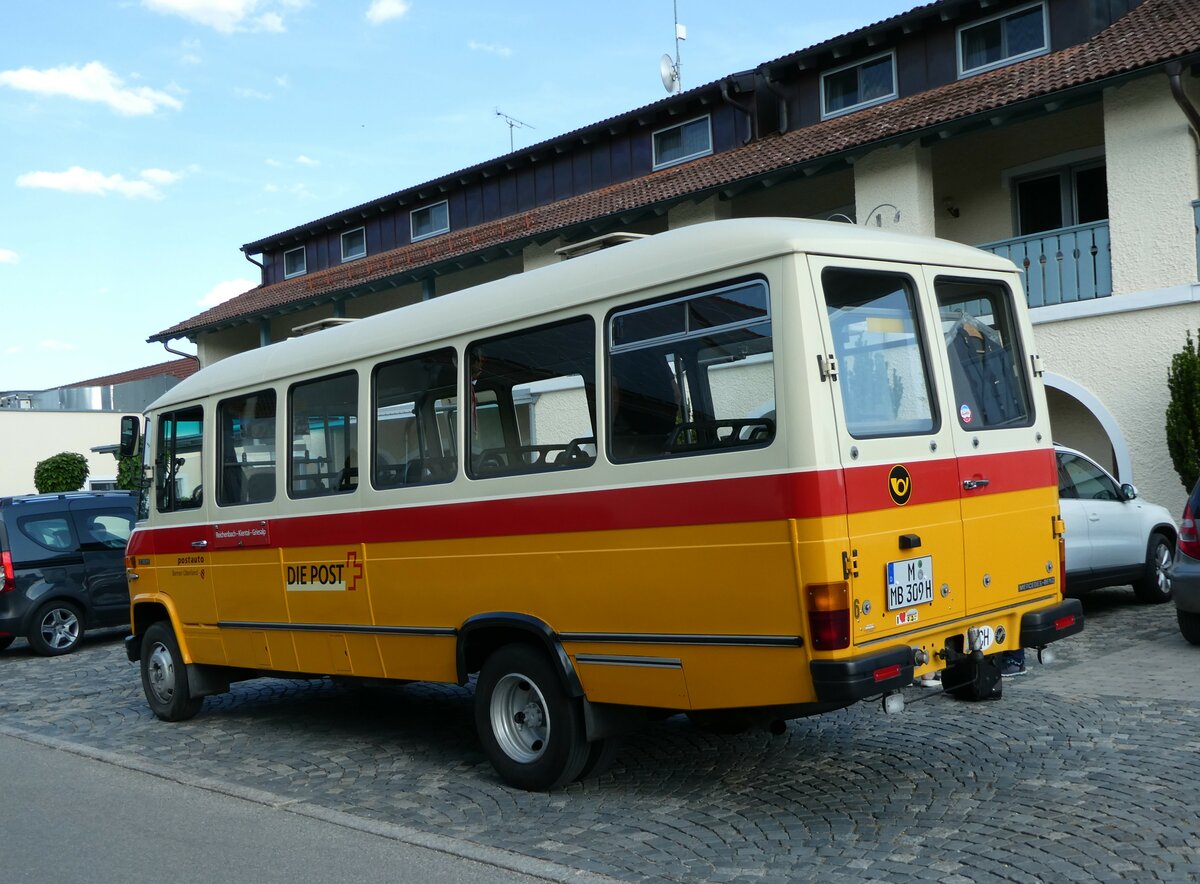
<point>1003,39</point>
<point>858,85</point>
<point>430,221</point>
<point>683,142</point>
<point>294,263</point>
<point>1060,198</point>
<point>354,244</point>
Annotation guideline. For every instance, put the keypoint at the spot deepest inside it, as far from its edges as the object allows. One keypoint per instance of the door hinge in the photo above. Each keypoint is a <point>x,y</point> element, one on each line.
<point>1057,527</point>
<point>828,367</point>
<point>1035,362</point>
<point>849,564</point>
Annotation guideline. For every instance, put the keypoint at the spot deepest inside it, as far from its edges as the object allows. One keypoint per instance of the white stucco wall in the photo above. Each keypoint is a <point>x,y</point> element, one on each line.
<point>1152,180</point>
<point>33,436</point>
<point>1122,359</point>
<point>896,176</point>
<point>711,209</point>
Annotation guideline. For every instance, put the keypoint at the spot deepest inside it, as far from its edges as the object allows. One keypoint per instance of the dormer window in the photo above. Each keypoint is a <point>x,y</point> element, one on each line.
<point>430,220</point>
<point>858,85</point>
<point>1003,39</point>
<point>294,263</point>
<point>683,142</point>
<point>354,244</point>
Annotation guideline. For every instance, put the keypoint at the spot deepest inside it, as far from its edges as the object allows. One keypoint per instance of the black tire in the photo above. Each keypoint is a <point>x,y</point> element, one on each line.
<point>1155,586</point>
<point>57,628</point>
<point>6,640</point>
<point>601,754</point>
<point>1189,625</point>
<point>164,675</point>
<point>530,729</point>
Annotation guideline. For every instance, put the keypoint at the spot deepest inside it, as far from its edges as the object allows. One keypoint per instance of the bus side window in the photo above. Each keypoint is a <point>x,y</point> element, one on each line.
<point>177,477</point>
<point>990,387</point>
<point>323,415</point>
<point>246,449</point>
<point>415,406</point>
<point>532,400</point>
<point>692,374</point>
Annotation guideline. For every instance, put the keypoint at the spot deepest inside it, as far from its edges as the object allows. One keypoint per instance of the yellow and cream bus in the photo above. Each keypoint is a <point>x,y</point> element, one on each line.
<point>749,470</point>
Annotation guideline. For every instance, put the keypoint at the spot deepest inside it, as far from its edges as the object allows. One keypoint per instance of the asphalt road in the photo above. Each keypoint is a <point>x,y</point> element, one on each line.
<point>1087,769</point>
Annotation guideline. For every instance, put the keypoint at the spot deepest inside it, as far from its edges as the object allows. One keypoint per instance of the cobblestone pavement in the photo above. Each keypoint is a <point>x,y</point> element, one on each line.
<point>1088,769</point>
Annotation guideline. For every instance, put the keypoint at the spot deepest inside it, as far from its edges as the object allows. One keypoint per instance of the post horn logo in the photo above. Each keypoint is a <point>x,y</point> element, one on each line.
<point>899,485</point>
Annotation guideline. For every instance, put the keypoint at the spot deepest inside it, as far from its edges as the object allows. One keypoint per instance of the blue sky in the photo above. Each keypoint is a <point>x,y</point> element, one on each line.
<point>142,142</point>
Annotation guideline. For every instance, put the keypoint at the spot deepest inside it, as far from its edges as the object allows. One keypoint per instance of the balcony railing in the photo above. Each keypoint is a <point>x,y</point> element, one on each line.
<point>1061,266</point>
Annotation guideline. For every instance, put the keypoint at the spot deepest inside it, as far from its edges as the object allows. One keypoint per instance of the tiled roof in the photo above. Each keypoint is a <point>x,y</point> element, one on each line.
<point>176,368</point>
<point>1153,33</point>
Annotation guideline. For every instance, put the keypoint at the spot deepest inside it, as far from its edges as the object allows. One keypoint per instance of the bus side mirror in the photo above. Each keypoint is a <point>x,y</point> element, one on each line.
<point>130,435</point>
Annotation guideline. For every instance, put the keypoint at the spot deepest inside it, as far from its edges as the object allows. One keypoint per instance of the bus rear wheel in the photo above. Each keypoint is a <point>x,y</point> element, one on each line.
<point>164,675</point>
<point>531,730</point>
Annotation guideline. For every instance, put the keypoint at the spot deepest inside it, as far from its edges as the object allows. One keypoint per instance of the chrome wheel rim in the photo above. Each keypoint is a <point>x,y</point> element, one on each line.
<point>1162,568</point>
<point>60,628</point>
<point>520,721</point>
<point>160,673</point>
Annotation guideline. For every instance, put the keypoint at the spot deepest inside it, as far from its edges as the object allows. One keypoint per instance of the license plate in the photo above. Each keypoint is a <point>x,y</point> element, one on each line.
<point>909,582</point>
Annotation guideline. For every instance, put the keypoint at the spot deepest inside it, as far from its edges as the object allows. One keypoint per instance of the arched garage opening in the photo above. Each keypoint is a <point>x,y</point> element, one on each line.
<point>1080,420</point>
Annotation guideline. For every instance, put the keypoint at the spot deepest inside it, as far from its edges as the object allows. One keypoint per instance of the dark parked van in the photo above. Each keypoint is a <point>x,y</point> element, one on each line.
<point>63,566</point>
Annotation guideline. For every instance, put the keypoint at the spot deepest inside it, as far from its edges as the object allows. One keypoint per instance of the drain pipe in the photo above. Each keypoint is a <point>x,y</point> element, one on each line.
<point>167,347</point>
<point>749,116</point>
<point>1174,76</point>
<point>773,86</point>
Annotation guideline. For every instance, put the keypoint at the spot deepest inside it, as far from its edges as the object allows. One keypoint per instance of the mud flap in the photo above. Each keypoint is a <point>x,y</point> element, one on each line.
<point>974,679</point>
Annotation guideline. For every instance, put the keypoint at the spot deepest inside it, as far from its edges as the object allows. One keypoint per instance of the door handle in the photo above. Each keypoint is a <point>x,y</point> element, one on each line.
<point>199,544</point>
<point>972,484</point>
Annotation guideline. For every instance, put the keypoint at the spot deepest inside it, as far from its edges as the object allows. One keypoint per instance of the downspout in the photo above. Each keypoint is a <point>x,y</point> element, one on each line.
<point>1175,77</point>
<point>749,116</point>
<point>261,267</point>
<point>167,347</point>
<point>773,86</point>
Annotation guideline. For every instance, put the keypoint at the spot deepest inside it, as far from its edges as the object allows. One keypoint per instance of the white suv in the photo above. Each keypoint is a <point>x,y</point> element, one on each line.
<point>1112,538</point>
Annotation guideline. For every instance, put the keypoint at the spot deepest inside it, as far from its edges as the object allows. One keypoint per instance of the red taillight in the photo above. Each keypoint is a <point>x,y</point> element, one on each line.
<point>828,615</point>
<point>1064,623</point>
<point>1189,542</point>
<point>10,579</point>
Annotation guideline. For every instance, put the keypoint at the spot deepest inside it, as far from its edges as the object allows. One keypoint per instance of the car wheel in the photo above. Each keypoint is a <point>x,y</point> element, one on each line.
<point>57,628</point>
<point>1189,625</point>
<point>1155,586</point>
<point>530,729</point>
<point>5,641</point>
<point>164,675</point>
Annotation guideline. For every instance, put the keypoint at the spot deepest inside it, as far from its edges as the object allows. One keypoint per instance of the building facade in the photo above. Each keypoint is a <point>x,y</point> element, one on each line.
<point>1059,133</point>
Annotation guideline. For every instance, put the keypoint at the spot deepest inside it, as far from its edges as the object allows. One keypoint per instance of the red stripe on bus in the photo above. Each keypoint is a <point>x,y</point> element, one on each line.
<point>720,501</point>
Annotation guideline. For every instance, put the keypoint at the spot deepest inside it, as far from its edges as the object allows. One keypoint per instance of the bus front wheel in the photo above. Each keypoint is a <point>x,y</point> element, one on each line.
<point>532,731</point>
<point>164,675</point>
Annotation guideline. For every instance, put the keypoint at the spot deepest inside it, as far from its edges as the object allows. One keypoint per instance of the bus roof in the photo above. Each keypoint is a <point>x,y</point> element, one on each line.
<point>677,255</point>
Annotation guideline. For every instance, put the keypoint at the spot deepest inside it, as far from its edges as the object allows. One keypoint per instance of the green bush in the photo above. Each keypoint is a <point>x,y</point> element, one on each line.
<point>1183,413</point>
<point>129,472</point>
<point>62,472</point>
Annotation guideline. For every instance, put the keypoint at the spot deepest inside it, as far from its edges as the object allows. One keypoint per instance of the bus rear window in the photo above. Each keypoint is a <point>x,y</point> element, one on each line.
<point>883,370</point>
<point>990,387</point>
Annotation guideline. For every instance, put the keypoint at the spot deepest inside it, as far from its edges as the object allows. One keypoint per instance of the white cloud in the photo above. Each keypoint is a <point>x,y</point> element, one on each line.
<point>92,82</point>
<point>302,160</point>
<point>189,52</point>
<point>226,16</point>
<point>282,81</point>
<point>224,291</point>
<point>381,11</point>
<point>492,48</point>
<point>8,256</point>
<point>242,92</point>
<point>87,181</point>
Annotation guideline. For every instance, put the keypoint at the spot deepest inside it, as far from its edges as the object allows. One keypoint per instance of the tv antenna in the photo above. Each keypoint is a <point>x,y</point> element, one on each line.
<point>513,123</point>
<point>668,69</point>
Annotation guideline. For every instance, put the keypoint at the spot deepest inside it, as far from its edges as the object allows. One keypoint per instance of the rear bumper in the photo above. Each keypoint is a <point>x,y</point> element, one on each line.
<point>845,681</point>
<point>1041,627</point>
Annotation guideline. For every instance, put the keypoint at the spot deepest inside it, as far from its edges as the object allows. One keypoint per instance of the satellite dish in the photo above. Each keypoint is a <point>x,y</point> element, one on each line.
<point>669,73</point>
